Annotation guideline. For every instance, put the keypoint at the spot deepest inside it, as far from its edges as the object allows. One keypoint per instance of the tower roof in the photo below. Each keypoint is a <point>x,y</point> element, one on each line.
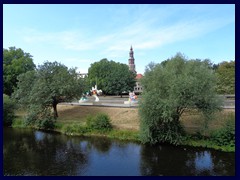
<point>139,76</point>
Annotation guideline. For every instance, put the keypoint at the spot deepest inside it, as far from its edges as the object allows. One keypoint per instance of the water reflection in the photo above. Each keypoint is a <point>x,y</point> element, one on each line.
<point>101,145</point>
<point>203,162</point>
<point>29,152</point>
<point>38,153</point>
<point>172,161</point>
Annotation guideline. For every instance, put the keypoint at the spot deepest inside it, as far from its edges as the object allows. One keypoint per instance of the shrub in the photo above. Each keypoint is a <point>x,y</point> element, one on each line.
<point>99,122</point>
<point>47,123</point>
<point>40,118</point>
<point>226,135</point>
<point>8,110</point>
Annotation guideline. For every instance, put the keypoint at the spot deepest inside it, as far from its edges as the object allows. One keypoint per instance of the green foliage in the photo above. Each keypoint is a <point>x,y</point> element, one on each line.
<point>207,143</point>
<point>124,135</point>
<point>111,77</point>
<point>169,132</point>
<point>74,129</point>
<point>226,77</point>
<point>8,110</point>
<point>19,123</point>
<point>42,89</point>
<point>58,126</point>
<point>15,62</point>
<point>225,135</point>
<point>40,118</point>
<point>99,122</point>
<point>169,89</point>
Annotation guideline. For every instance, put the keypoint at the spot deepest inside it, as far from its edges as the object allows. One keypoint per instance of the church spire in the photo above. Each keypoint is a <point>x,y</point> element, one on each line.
<point>131,59</point>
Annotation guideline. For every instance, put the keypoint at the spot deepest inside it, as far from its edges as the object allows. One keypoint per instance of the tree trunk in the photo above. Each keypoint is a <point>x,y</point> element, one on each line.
<point>55,113</point>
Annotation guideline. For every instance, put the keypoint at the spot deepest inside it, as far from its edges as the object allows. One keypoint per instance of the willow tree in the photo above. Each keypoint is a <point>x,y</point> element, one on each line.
<point>171,88</point>
<point>40,91</point>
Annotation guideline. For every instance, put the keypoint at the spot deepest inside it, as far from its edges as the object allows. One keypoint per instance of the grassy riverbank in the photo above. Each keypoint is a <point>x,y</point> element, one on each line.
<point>125,122</point>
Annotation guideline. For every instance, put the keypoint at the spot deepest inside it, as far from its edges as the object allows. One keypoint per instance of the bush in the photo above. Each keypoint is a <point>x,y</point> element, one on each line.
<point>99,122</point>
<point>45,123</point>
<point>40,118</point>
<point>8,110</point>
<point>226,135</point>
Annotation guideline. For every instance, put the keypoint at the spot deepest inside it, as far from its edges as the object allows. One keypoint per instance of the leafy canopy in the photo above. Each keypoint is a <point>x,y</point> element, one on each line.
<point>111,77</point>
<point>169,89</point>
<point>226,77</point>
<point>43,89</point>
<point>15,62</point>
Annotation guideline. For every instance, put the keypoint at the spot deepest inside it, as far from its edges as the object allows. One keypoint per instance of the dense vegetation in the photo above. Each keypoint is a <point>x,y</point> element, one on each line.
<point>225,136</point>
<point>111,77</point>
<point>41,90</point>
<point>8,110</point>
<point>15,62</point>
<point>226,77</point>
<point>171,88</point>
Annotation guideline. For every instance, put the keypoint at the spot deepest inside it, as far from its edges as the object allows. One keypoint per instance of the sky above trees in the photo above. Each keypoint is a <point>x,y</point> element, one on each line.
<point>78,35</point>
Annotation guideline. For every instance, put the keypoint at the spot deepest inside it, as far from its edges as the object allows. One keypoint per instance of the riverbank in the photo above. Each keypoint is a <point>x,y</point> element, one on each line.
<point>125,121</point>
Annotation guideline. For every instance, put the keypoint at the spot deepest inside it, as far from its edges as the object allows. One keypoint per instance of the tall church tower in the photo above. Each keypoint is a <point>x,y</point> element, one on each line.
<point>131,61</point>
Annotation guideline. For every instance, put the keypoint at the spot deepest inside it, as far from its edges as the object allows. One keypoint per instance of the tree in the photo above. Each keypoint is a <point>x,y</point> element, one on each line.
<point>226,77</point>
<point>43,89</point>
<point>111,77</point>
<point>8,110</point>
<point>15,62</point>
<point>170,89</point>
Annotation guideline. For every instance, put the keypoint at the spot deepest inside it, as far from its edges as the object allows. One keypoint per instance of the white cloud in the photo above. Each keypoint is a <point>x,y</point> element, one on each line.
<point>143,31</point>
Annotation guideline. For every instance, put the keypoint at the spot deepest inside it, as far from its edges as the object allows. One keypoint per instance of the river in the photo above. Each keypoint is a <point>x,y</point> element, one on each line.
<point>28,152</point>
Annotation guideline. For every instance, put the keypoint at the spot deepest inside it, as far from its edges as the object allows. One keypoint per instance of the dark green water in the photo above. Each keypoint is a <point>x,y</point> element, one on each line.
<point>30,152</point>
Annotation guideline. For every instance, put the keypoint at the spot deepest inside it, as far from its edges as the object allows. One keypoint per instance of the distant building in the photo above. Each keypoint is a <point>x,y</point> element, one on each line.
<point>131,60</point>
<point>82,75</point>
<point>138,88</point>
<point>131,63</point>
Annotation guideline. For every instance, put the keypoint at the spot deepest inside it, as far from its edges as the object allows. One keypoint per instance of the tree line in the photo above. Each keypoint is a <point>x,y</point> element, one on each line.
<point>170,87</point>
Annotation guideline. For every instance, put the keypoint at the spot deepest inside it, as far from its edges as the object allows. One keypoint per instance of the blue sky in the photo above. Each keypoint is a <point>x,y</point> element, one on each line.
<point>78,35</point>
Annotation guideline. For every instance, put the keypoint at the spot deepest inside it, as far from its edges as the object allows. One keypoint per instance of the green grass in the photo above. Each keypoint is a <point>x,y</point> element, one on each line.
<point>207,144</point>
<point>82,130</point>
<point>18,122</point>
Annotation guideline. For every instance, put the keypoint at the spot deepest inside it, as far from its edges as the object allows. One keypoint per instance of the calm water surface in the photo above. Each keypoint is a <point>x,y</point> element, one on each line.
<point>31,152</point>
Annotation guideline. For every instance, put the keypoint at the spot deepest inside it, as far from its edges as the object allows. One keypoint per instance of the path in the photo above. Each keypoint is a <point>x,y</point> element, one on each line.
<point>117,101</point>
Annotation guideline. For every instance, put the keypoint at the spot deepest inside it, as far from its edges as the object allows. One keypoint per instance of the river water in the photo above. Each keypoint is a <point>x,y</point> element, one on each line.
<point>38,153</point>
